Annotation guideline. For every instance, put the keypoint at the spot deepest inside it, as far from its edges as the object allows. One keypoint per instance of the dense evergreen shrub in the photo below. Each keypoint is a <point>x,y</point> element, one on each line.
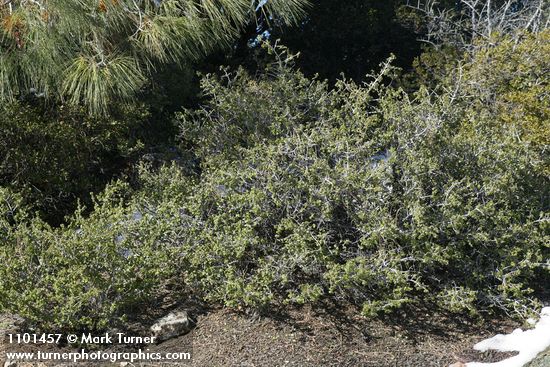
<point>362,192</point>
<point>54,157</point>
<point>88,273</point>
<point>373,201</point>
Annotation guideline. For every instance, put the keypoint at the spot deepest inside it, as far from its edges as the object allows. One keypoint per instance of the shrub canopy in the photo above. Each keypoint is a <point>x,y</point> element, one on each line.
<point>362,193</point>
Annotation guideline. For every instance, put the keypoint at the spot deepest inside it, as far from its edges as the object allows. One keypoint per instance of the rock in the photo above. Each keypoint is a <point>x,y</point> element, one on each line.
<point>542,360</point>
<point>172,325</point>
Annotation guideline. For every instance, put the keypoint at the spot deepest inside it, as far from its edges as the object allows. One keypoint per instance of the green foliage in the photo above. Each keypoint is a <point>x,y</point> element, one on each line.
<point>87,274</point>
<point>238,121</point>
<point>362,193</point>
<point>307,192</point>
<point>431,68</point>
<point>12,211</point>
<point>94,52</point>
<point>512,75</point>
<point>54,158</point>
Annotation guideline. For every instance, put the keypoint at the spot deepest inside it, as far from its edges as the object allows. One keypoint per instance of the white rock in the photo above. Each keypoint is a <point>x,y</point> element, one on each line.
<point>172,325</point>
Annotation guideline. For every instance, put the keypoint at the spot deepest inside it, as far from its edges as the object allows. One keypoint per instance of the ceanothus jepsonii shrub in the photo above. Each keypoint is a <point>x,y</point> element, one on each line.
<point>375,201</point>
<point>362,193</point>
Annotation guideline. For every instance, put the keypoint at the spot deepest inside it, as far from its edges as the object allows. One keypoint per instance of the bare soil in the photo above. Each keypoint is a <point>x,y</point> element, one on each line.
<point>329,336</point>
<point>308,337</point>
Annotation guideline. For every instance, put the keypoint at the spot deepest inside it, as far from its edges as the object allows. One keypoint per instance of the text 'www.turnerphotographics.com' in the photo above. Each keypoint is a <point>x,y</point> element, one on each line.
<point>88,347</point>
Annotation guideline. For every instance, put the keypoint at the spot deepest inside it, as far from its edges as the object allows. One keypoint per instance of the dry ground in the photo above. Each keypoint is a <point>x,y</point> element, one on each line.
<point>331,336</point>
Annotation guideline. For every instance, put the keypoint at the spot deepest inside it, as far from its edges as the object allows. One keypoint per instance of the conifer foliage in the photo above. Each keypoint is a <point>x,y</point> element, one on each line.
<point>92,52</point>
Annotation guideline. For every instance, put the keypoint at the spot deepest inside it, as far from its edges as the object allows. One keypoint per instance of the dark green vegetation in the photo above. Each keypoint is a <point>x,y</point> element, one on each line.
<point>280,188</point>
<point>96,51</point>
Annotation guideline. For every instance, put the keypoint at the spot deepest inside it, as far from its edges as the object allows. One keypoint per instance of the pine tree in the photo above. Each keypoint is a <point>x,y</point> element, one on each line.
<point>97,52</point>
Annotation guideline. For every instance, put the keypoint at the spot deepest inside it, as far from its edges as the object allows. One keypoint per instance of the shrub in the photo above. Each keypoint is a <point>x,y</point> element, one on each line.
<point>512,77</point>
<point>12,211</point>
<point>89,273</point>
<point>363,193</point>
<point>54,158</point>
<point>376,201</point>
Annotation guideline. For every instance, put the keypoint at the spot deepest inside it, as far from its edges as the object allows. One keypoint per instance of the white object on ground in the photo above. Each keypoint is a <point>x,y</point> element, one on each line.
<point>172,325</point>
<point>528,343</point>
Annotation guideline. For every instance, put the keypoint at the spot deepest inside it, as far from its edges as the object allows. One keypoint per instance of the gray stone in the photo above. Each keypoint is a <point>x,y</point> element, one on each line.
<point>542,360</point>
<point>172,325</point>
